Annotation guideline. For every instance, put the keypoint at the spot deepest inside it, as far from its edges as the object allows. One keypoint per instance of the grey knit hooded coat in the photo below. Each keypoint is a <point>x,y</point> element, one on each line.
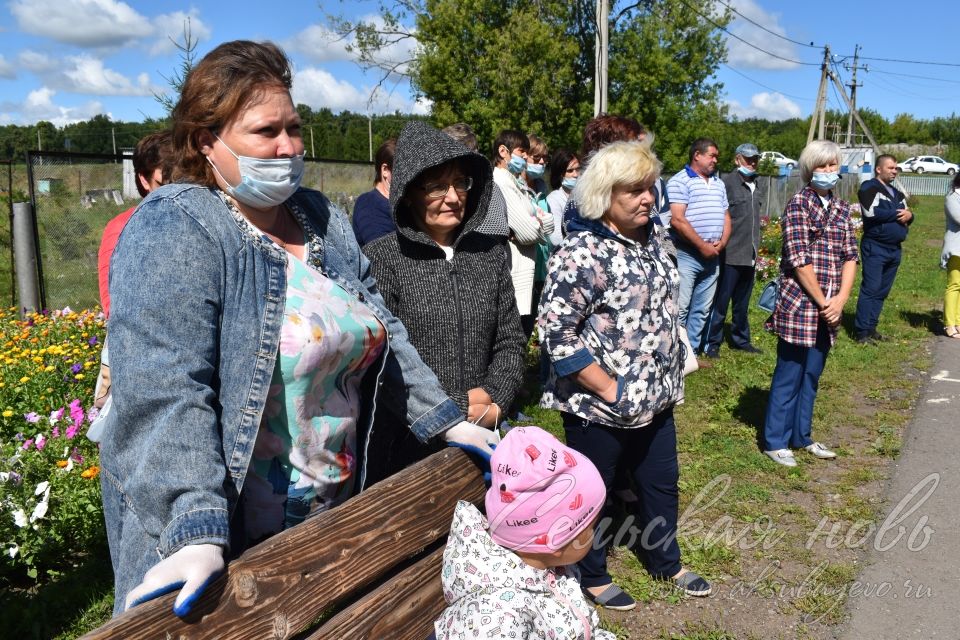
<point>461,314</point>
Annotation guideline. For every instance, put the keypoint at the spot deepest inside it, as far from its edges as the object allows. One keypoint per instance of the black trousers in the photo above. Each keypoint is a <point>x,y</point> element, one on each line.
<point>734,289</point>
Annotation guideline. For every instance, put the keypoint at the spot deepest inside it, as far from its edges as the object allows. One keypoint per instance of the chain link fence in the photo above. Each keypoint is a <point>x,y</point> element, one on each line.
<point>75,195</point>
<point>781,189</point>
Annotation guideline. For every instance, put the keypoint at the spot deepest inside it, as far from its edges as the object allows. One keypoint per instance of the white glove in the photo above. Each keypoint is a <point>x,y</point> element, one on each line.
<point>193,568</point>
<point>473,438</point>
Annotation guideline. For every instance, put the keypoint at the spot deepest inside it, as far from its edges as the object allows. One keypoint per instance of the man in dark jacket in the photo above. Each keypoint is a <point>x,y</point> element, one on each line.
<point>885,221</point>
<point>745,196</point>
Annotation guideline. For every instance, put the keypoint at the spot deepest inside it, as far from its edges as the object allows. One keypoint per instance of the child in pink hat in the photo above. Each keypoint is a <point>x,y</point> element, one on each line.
<point>511,574</point>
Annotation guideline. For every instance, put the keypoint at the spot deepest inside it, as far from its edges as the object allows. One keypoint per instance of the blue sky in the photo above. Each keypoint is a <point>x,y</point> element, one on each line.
<point>68,60</point>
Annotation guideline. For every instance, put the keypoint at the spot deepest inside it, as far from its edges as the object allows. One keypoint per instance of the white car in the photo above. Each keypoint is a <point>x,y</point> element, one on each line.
<point>906,164</point>
<point>780,159</point>
<point>933,164</point>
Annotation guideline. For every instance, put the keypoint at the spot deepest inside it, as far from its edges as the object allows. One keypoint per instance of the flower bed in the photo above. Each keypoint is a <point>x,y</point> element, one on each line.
<point>50,505</point>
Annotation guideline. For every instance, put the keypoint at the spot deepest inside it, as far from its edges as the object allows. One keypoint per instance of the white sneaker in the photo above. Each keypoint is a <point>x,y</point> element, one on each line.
<point>820,451</point>
<point>782,456</point>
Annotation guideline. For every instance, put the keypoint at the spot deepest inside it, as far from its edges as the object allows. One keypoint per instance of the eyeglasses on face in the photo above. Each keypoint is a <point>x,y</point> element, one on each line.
<point>437,190</point>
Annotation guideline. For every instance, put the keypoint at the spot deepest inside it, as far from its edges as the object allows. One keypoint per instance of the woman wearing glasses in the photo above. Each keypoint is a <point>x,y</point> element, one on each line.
<point>446,281</point>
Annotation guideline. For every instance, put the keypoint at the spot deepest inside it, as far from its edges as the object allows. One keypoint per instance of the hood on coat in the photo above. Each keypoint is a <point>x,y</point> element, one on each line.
<point>473,562</point>
<point>421,147</point>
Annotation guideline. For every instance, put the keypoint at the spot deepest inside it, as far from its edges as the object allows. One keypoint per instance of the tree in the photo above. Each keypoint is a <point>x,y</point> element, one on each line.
<point>530,65</point>
<point>188,53</point>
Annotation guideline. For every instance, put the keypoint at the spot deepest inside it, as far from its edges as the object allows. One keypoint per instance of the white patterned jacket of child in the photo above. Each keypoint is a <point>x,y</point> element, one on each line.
<point>492,593</point>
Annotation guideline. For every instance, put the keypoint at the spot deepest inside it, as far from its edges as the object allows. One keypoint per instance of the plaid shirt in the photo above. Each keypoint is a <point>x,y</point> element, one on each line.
<point>824,238</point>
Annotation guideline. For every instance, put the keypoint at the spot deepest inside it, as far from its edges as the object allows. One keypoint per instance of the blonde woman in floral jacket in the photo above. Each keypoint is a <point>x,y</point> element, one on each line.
<point>608,328</point>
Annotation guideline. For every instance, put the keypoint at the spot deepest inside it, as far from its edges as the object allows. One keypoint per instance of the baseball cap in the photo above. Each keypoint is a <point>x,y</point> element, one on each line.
<point>542,493</point>
<point>748,150</point>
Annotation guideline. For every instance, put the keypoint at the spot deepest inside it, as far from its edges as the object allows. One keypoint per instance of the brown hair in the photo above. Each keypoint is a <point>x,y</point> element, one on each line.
<point>153,152</point>
<point>462,133</point>
<point>537,146</point>
<point>226,81</point>
<point>605,129</point>
<point>384,156</point>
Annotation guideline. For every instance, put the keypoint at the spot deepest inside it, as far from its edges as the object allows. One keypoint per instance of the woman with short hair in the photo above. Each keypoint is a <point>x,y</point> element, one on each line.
<point>950,260</point>
<point>818,265</point>
<point>608,327</point>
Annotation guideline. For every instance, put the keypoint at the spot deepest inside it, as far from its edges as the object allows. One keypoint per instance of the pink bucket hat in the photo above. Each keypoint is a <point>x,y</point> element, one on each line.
<point>542,492</point>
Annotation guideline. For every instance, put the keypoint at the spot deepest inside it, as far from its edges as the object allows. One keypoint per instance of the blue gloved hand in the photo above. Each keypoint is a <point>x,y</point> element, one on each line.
<point>475,440</point>
<point>191,569</point>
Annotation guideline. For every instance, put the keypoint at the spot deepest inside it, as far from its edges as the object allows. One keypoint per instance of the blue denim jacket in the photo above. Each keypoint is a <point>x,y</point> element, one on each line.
<point>197,308</point>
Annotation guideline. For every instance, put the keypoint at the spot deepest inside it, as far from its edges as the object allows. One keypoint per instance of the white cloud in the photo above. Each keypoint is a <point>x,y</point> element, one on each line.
<point>6,69</point>
<point>85,23</point>
<point>39,105</point>
<point>320,44</point>
<point>317,89</point>
<point>766,106</point>
<point>743,55</point>
<point>36,62</point>
<point>88,75</point>
<point>169,28</point>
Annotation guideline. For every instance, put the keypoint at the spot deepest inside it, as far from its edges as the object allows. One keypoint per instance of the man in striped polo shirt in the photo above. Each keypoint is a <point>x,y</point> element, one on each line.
<point>700,224</point>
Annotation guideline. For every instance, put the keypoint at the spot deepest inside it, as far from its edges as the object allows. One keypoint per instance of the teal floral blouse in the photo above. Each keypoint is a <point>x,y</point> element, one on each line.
<point>305,454</point>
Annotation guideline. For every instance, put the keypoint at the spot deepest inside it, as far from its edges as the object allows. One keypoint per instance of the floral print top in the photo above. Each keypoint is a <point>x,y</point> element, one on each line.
<point>492,593</point>
<point>306,446</point>
<point>611,301</point>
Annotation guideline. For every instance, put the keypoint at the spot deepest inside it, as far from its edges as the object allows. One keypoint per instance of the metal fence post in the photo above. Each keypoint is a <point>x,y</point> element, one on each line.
<point>25,256</point>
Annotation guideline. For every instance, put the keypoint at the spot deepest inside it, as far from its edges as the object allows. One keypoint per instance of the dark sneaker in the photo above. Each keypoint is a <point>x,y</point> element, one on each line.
<point>866,340</point>
<point>613,597</point>
<point>879,338</point>
<point>692,584</point>
<point>712,353</point>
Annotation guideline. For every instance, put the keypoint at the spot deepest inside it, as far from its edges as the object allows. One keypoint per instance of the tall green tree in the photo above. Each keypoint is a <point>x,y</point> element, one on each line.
<point>530,65</point>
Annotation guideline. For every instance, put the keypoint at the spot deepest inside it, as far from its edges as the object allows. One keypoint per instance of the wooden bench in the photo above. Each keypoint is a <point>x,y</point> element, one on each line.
<point>368,569</point>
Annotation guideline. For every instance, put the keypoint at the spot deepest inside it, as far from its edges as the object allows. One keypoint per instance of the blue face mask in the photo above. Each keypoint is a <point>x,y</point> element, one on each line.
<point>535,170</point>
<point>516,164</point>
<point>825,179</point>
<point>569,183</point>
<point>264,183</point>
<point>747,171</point>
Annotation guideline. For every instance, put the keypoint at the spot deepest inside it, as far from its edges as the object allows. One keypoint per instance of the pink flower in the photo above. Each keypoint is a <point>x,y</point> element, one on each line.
<point>41,442</point>
<point>56,432</point>
<point>76,413</point>
<point>72,431</point>
<point>27,443</point>
<point>31,417</point>
<point>92,414</point>
<point>56,416</point>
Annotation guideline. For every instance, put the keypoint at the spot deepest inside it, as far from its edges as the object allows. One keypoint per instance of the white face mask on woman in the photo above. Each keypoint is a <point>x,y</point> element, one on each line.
<point>264,183</point>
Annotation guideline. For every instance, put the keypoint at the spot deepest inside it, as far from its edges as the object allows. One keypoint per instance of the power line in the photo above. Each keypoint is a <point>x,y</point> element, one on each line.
<point>908,75</point>
<point>757,82</point>
<point>939,64</point>
<point>774,33</point>
<point>749,44</point>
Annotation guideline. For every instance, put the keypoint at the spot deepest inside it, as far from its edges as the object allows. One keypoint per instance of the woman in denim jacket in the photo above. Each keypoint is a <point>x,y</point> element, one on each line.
<point>608,326</point>
<point>248,340</point>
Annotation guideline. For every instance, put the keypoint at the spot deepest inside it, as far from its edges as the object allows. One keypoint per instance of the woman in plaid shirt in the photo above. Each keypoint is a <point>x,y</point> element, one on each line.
<point>817,269</point>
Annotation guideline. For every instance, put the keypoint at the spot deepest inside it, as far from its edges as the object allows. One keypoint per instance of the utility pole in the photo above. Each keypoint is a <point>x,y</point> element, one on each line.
<point>370,133</point>
<point>113,136</point>
<point>602,59</point>
<point>853,93</point>
<point>819,111</point>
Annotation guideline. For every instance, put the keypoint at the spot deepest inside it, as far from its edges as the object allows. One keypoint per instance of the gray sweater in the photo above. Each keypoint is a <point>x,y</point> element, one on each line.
<point>460,314</point>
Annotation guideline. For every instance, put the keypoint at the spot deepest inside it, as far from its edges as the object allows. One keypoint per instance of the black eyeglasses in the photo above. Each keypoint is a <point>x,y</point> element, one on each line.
<point>437,190</point>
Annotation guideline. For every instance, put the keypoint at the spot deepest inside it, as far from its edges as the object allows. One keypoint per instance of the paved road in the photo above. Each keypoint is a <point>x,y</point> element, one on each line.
<point>911,588</point>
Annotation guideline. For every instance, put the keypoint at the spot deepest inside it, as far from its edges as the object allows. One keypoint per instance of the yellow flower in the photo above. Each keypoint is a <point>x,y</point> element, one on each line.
<point>2,385</point>
<point>91,472</point>
<point>49,368</point>
<point>24,379</point>
<point>8,413</point>
<point>79,376</point>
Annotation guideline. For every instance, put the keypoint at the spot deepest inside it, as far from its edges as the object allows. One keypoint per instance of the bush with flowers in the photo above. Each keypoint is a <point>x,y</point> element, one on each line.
<point>50,503</point>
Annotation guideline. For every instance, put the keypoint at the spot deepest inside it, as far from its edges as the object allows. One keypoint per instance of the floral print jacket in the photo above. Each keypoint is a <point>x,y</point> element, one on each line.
<point>492,593</point>
<point>611,301</point>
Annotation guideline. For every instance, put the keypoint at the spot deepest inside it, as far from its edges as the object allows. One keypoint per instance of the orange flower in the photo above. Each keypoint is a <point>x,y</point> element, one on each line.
<point>91,472</point>
<point>61,463</point>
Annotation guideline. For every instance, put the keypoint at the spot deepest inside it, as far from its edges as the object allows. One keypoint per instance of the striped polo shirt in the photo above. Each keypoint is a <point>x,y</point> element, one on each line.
<point>706,201</point>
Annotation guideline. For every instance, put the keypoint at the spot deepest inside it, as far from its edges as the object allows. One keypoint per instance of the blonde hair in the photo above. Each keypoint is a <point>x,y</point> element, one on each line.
<point>616,164</point>
<point>816,154</point>
<point>537,146</point>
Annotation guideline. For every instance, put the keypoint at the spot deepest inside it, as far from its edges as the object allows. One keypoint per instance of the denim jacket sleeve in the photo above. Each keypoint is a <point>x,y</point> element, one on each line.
<point>407,381</point>
<point>164,441</point>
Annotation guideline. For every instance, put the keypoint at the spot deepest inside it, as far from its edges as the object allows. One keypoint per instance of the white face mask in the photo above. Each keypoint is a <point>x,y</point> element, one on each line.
<point>264,183</point>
